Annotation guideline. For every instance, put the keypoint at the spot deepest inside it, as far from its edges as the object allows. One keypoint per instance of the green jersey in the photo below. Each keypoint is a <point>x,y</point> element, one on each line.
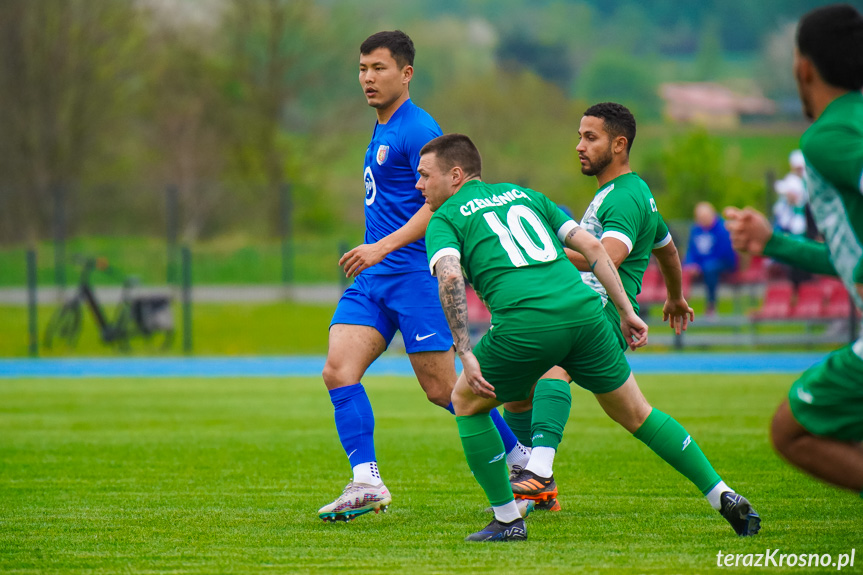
<point>625,209</point>
<point>833,149</point>
<point>827,400</point>
<point>509,241</point>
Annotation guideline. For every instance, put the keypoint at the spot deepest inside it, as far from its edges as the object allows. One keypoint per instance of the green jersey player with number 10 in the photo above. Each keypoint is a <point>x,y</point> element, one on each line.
<point>508,241</point>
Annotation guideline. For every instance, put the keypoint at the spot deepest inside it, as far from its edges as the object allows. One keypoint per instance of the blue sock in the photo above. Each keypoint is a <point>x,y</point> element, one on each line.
<point>355,422</point>
<point>509,440</point>
<point>450,408</point>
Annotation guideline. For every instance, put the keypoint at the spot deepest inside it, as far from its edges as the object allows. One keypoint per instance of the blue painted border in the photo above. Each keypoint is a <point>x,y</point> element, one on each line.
<point>311,366</point>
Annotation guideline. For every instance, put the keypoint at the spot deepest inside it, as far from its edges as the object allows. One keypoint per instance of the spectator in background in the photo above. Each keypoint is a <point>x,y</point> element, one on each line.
<point>791,212</point>
<point>710,251</point>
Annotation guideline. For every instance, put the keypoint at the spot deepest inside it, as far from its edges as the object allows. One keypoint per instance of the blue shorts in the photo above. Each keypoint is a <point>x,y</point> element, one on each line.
<point>406,302</point>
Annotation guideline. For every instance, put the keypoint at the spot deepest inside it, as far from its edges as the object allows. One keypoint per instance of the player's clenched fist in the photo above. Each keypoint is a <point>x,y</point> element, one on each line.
<point>749,229</point>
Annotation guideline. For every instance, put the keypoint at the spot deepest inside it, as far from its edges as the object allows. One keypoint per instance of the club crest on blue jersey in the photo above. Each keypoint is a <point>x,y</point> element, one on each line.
<point>383,152</point>
<point>371,188</point>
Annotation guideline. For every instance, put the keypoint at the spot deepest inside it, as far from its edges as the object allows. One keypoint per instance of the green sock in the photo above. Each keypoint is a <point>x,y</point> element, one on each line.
<point>670,441</point>
<point>483,449</point>
<point>552,400</point>
<point>519,423</point>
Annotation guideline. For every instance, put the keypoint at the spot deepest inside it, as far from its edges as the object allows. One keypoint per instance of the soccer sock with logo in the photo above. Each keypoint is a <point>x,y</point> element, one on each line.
<point>519,423</point>
<point>552,400</point>
<point>355,424</point>
<point>483,450</point>
<point>516,453</point>
<point>670,441</point>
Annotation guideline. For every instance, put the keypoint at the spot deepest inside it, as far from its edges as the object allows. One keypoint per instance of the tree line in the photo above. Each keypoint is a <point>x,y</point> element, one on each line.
<point>107,102</point>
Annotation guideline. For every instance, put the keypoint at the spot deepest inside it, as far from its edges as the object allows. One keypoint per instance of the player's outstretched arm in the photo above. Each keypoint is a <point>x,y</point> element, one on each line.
<point>751,232</point>
<point>365,256</point>
<point>676,310</point>
<point>749,229</point>
<point>633,327</point>
<point>453,299</point>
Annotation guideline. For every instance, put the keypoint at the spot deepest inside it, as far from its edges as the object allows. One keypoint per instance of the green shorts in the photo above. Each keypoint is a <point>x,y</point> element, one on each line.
<point>827,400</point>
<point>613,319</point>
<point>589,353</point>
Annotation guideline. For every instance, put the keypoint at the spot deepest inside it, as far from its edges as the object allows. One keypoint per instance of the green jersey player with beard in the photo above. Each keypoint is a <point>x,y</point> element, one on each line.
<point>623,215</point>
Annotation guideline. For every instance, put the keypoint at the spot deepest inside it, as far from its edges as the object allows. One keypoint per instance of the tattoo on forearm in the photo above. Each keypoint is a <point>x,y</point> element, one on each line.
<point>593,265</point>
<point>615,275</point>
<point>453,300</point>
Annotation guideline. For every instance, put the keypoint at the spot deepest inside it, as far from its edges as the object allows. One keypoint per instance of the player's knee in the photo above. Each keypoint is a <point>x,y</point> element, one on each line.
<point>460,404</point>
<point>441,396</point>
<point>438,388</point>
<point>439,392</point>
<point>557,372</point>
<point>334,377</point>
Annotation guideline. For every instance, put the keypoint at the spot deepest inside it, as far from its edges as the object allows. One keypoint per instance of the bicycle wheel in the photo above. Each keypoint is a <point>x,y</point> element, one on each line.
<point>161,340</point>
<point>64,325</point>
<point>123,328</point>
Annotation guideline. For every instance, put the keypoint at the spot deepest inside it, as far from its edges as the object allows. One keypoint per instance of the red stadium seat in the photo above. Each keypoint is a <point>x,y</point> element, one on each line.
<point>755,272</point>
<point>810,301</point>
<point>777,301</point>
<point>838,304</point>
<point>652,286</point>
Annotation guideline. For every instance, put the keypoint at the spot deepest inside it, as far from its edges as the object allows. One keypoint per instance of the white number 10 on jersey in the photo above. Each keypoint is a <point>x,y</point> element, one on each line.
<point>514,231</point>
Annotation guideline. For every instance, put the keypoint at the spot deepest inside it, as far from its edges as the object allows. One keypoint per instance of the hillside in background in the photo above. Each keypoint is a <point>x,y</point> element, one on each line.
<point>108,103</point>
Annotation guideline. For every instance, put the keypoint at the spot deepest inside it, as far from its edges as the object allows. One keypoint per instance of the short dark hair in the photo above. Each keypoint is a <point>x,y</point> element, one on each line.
<point>397,42</point>
<point>455,150</point>
<point>832,37</point>
<point>617,120</point>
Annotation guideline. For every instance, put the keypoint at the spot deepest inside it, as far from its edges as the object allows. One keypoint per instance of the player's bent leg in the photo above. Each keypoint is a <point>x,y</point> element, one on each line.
<point>484,451</point>
<point>518,414</point>
<point>352,348</point>
<point>435,371</point>
<point>516,453</point>
<point>626,405</point>
<point>552,400</point>
<point>670,441</point>
<point>839,463</point>
<point>826,401</point>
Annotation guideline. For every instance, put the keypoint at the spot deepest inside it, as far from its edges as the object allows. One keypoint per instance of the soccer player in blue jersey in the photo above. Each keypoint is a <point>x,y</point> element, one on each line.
<point>393,288</point>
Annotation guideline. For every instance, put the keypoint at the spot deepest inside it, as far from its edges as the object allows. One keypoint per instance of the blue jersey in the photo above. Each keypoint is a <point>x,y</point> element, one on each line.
<point>390,177</point>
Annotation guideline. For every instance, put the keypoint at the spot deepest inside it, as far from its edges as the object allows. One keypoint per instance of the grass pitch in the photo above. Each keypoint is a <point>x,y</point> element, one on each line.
<point>226,476</point>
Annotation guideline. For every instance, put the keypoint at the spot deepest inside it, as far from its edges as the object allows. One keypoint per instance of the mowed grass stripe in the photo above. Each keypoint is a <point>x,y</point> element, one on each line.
<point>226,476</point>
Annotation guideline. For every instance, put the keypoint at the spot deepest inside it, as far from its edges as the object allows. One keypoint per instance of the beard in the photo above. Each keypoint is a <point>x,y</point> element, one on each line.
<point>597,165</point>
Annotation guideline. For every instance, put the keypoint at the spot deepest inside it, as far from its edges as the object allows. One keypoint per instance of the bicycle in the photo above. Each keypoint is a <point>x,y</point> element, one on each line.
<point>137,316</point>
